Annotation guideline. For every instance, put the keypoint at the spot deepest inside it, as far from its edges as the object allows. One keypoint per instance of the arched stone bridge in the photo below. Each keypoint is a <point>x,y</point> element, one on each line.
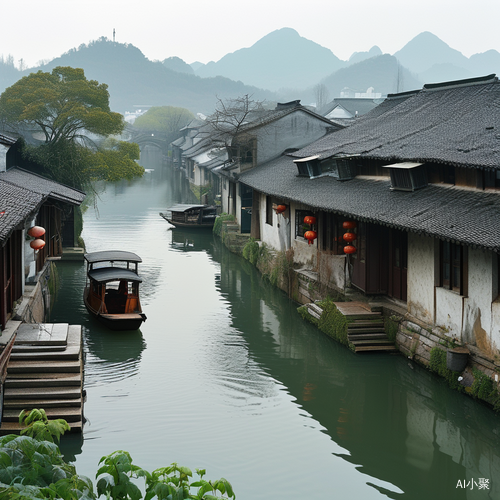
<point>145,139</point>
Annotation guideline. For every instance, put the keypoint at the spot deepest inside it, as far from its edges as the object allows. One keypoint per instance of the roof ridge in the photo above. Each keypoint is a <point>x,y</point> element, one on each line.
<point>480,80</point>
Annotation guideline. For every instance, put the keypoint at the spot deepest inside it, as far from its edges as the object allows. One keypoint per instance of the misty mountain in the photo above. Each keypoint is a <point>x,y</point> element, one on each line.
<point>133,79</point>
<point>432,60</point>
<point>281,59</point>
<point>361,56</point>
<point>177,64</point>
<point>383,73</point>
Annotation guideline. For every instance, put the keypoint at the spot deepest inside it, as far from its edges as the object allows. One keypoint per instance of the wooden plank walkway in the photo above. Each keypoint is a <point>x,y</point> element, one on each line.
<point>365,330</point>
<point>45,370</point>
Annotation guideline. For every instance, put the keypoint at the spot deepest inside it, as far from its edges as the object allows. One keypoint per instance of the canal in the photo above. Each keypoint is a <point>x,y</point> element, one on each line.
<point>225,375</point>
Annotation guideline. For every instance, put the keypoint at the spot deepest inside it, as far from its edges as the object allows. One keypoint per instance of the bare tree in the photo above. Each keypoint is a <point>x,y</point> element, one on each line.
<point>231,116</point>
<point>321,95</point>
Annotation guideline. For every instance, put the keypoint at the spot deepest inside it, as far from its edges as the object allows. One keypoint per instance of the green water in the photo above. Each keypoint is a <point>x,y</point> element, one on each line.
<point>225,375</point>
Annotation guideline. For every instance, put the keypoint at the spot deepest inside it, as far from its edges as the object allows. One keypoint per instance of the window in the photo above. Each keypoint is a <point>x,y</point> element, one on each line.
<point>453,267</point>
<point>300,226</point>
<point>269,210</point>
<point>407,176</point>
<point>332,233</point>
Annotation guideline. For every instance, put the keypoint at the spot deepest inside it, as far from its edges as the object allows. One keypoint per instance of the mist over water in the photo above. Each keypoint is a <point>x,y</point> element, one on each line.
<point>225,375</point>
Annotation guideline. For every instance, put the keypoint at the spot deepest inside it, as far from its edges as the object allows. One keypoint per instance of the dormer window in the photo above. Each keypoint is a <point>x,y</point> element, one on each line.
<point>341,169</point>
<point>309,167</point>
<point>407,176</point>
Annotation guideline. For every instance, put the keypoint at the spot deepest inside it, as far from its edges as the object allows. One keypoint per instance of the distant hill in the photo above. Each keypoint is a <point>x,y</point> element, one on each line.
<point>383,73</point>
<point>133,79</point>
<point>177,64</point>
<point>361,56</point>
<point>281,59</point>
<point>434,61</point>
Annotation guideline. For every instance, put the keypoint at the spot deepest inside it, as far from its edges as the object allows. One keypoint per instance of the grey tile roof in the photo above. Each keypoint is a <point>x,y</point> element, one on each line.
<point>447,212</point>
<point>454,123</point>
<point>42,185</point>
<point>18,204</point>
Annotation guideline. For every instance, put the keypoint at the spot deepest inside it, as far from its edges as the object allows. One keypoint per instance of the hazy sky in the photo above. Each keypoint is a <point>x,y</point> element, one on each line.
<point>206,30</point>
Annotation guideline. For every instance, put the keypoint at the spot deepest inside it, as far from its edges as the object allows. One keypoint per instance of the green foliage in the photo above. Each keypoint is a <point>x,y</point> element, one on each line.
<point>482,387</point>
<point>251,251</point>
<point>332,321</point>
<point>40,427</point>
<point>32,468</point>
<point>63,104</point>
<point>217,229</point>
<point>437,364</point>
<point>391,325</point>
<point>166,119</point>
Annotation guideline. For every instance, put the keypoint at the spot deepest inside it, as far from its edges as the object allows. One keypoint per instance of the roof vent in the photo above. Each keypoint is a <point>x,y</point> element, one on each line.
<point>407,176</point>
<point>287,105</point>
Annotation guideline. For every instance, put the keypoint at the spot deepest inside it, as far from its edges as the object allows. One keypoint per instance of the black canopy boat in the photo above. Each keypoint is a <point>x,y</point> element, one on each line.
<point>112,292</point>
<point>195,216</point>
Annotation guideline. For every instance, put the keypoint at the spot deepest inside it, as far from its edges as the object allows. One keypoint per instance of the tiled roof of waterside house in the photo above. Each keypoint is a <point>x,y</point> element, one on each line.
<point>443,211</point>
<point>457,123</point>
<point>449,124</point>
<point>16,205</point>
<point>42,185</point>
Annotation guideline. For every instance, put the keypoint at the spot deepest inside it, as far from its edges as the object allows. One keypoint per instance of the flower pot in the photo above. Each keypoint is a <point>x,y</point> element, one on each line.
<point>456,359</point>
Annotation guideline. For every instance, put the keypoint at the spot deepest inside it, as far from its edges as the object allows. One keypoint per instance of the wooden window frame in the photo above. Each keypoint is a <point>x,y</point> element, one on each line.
<point>300,227</point>
<point>453,267</point>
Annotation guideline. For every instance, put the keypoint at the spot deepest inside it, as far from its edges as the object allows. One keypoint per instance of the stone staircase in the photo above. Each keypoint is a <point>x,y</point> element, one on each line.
<point>365,329</point>
<point>45,370</point>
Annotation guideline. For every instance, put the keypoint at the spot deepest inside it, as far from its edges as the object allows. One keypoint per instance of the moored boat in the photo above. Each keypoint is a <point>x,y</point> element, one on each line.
<point>195,216</point>
<point>112,289</point>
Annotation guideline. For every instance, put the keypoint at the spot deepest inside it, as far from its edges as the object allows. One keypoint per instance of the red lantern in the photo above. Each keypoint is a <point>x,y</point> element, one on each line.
<point>36,231</point>
<point>37,244</point>
<point>349,249</point>
<point>309,219</point>
<point>349,224</point>
<point>310,236</point>
<point>280,209</point>
<point>349,237</point>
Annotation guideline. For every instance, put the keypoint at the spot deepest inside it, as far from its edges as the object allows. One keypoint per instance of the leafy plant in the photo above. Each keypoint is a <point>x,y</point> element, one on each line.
<point>40,427</point>
<point>217,229</point>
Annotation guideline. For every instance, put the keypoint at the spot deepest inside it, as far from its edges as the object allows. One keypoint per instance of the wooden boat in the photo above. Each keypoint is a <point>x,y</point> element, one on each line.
<point>112,292</point>
<point>194,216</point>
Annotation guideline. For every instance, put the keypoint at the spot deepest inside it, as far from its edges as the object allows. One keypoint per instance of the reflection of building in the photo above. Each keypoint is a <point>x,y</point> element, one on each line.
<point>396,424</point>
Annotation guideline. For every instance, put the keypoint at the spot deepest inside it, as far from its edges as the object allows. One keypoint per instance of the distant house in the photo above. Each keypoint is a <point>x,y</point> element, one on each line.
<point>419,176</point>
<point>348,108</point>
<point>26,200</point>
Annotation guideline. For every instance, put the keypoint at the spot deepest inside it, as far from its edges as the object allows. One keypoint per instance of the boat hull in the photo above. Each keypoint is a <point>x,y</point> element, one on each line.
<point>188,225</point>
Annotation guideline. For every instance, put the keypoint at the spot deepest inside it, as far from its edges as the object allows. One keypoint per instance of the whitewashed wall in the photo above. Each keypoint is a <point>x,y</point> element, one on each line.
<point>3,158</point>
<point>421,277</point>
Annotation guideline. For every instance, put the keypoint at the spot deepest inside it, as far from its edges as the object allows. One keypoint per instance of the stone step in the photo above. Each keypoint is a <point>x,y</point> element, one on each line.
<point>384,341</point>
<point>42,334</point>
<point>367,336</point>
<point>313,311</point>
<point>29,404</point>
<point>43,366</point>
<point>16,428</point>
<point>70,352</point>
<point>26,393</point>
<point>360,323</point>
<point>43,380</point>
<point>70,414</point>
<point>375,329</point>
<point>367,348</point>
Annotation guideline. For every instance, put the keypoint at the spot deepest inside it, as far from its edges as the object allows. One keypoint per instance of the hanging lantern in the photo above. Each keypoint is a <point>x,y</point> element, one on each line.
<point>36,231</point>
<point>310,236</point>
<point>280,209</point>
<point>349,237</point>
<point>309,219</point>
<point>37,244</point>
<point>349,224</point>
<point>349,249</point>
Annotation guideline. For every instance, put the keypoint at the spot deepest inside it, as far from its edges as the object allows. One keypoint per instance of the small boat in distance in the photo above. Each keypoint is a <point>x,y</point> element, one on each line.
<point>195,216</point>
<point>112,292</point>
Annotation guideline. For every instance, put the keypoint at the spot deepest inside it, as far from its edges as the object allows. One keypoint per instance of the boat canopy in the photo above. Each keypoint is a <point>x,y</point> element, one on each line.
<point>112,256</point>
<point>184,207</point>
<point>106,274</point>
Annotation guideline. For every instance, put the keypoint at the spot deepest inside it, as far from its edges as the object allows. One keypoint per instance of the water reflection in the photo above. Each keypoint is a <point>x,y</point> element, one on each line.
<point>397,421</point>
<point>225,375</point>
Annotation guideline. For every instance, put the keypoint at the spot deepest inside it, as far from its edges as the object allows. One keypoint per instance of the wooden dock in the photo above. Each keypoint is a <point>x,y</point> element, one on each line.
<point>365,329</point>
<point>45,370</point>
